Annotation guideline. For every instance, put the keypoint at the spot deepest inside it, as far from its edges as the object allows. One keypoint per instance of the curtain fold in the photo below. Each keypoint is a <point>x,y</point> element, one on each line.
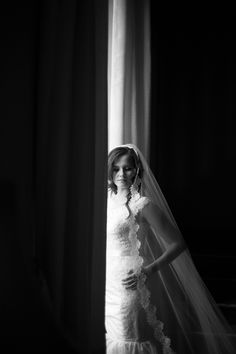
<point>129,65</point>
<point>70,176</point>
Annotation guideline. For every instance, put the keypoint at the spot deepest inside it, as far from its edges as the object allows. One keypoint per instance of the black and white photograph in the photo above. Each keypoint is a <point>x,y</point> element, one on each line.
<point>117,178</point>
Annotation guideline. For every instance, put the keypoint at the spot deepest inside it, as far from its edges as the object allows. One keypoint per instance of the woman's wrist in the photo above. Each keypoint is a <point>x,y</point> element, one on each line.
<point>149,269</point>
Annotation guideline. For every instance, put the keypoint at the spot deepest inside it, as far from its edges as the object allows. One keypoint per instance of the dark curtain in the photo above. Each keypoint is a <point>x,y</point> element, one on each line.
<point>192,142</point>
<point>193,146</point>
<point>21,313</point>
<point>71,165</point>
<point>53,176</point>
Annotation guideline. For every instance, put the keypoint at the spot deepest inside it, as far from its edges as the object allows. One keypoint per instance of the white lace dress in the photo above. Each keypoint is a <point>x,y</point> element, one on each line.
<point>131,320</point>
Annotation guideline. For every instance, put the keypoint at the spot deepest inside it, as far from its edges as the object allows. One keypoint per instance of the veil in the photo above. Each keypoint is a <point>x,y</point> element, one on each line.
<point>185,306</point>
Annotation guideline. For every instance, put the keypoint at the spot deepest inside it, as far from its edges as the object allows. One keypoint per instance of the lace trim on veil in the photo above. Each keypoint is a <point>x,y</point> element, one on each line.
<point>137,204</point>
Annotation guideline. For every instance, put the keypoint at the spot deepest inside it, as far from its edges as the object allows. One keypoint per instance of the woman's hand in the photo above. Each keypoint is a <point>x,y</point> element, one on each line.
<point>148,270</point>
<point>131,281</point>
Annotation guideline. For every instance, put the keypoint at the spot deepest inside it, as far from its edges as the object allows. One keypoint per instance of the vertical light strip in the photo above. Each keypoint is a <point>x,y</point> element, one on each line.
<point>116,62</point>
<point>129,66</point>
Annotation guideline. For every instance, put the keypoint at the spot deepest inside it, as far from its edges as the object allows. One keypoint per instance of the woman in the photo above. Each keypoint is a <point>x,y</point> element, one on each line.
<point>156,301</point>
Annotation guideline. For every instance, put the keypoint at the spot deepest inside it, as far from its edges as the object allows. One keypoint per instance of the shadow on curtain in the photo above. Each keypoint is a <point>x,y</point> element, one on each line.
<point>70,167</point>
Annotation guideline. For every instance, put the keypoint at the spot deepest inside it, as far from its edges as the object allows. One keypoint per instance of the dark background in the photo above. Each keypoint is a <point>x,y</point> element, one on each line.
<point>193,146</point>
<point>192,155</point>
<point>26,325</point>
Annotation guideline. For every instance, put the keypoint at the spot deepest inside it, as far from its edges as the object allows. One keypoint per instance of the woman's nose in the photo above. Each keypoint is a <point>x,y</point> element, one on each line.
<point>121,172</point>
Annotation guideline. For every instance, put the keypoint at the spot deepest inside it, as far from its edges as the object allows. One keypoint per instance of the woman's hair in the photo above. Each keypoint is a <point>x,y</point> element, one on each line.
<point>114,156</point>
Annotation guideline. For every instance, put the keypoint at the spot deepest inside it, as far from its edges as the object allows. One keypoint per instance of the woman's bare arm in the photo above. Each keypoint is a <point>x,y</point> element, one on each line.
<point>160,223</point>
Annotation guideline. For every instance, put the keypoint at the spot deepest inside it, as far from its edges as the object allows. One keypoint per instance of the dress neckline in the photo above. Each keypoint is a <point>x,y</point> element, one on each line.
<point>118,200</point>
<point>121,200</point>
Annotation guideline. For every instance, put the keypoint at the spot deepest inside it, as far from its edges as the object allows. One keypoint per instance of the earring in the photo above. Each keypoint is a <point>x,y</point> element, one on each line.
<point>135,186</point>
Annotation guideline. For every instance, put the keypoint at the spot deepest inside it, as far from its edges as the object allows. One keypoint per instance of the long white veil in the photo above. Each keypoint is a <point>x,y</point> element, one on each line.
<point>190,315</point>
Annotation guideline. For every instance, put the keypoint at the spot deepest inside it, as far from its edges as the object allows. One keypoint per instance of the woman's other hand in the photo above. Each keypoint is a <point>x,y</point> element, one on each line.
<point>131,281</point>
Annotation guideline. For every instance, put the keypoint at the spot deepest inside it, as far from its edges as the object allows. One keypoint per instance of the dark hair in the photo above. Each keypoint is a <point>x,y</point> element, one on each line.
<point>115,155</point>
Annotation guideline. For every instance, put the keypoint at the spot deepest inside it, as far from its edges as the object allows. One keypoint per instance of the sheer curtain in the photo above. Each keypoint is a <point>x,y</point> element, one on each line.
<point>129,63</point>
<point>70,167</point>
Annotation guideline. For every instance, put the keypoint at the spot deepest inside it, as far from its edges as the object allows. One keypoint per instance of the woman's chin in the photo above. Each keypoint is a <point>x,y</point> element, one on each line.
<point>122,185</point>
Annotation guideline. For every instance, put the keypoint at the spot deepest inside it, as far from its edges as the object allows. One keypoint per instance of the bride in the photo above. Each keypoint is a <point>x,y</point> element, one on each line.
<point>156,301</point>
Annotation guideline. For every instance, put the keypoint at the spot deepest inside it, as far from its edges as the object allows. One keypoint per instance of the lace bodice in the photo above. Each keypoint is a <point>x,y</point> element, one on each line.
<point>122,228</point>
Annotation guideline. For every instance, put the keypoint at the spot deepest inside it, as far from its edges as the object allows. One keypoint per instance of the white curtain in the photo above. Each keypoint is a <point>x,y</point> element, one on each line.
<point>129,63</point>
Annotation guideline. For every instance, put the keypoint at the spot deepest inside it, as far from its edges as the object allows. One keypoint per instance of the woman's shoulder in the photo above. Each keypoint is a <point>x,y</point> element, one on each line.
<point>144,201</point>
<point>146,206</point>
<point>139,202</point>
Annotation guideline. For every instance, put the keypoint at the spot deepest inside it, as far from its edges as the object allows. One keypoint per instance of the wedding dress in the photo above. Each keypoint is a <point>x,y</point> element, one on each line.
<point>170,312</point>
<point>131,324</point>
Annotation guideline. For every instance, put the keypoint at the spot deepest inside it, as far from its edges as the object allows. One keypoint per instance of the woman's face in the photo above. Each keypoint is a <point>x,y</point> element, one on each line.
<point>124,172</point>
